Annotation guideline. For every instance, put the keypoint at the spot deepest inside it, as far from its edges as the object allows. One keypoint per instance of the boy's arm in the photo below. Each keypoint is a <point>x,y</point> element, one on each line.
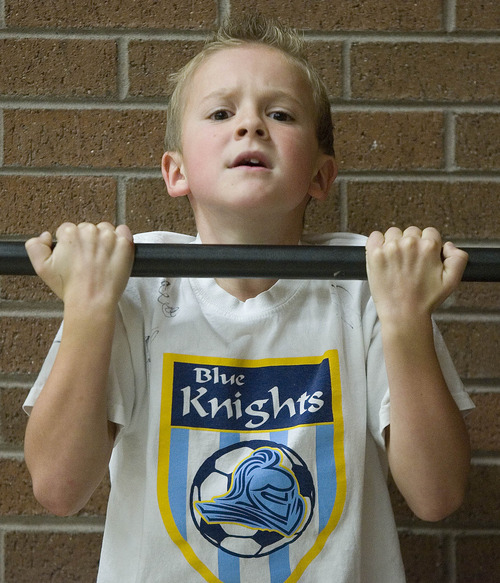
<point>410,274</point>
<point>68,439</point>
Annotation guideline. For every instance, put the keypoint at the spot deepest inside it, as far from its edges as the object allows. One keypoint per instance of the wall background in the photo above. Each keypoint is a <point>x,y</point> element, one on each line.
<point>414,91</point>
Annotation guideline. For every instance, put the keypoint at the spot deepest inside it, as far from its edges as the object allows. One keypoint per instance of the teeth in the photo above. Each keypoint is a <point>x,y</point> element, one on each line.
<point>250,162</point>
<point>253,162</point>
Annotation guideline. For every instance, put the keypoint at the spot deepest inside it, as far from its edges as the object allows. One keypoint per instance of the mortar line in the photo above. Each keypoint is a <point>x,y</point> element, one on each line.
<point>2,557</point>
<point>15,455</point>
<point>83,172</point>
<point>481,388</point>
<point>337,105</point>
<point>122,72</point>
<point>473,176</point>
<point>468,317</point>
<point>344,206</point>
<point>103,34</point>
<point>223,10</point>
<point>479,37</point>
<point>121,200</point>
<point>16,380</point>
<point>449,15</point>
<point>2,140</point>
<point>11,383</point>
<point>30,310</point>
<point>403,37</point>
<point>485,461</point>
<point>49,524</point>
<point>346,69</point>
<point>451,557</point>
<point>446,530</point>
<point>449,141</point>
<point>422,176</point>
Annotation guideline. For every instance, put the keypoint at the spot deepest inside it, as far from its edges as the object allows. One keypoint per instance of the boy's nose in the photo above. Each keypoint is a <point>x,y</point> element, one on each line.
<point>252,126</point>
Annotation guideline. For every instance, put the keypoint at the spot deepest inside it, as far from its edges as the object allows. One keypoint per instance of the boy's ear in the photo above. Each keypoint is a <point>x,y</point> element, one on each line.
<point>173,174</point>
<point>324,177</point>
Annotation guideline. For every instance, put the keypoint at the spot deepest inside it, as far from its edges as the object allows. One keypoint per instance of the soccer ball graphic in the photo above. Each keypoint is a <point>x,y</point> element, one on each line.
<point>252,498</point>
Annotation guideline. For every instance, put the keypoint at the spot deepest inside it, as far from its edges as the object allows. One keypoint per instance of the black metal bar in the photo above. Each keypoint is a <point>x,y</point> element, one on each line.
<point>278,261</point>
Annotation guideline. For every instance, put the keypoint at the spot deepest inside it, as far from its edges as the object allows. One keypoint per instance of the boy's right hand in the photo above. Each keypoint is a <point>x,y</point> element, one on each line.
<point>89,266</point>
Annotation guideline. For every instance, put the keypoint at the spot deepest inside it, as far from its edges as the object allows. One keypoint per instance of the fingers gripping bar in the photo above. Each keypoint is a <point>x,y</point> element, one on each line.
<point>240,261</point>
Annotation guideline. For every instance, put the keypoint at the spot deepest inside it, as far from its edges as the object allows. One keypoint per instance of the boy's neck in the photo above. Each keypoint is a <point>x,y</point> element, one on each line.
<point>247,232</point>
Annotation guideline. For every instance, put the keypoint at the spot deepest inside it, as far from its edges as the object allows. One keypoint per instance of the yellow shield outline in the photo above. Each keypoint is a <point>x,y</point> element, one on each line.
<point>164,450</point>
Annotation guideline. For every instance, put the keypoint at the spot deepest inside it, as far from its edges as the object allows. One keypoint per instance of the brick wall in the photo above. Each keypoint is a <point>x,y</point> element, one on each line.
<point>414,90</point>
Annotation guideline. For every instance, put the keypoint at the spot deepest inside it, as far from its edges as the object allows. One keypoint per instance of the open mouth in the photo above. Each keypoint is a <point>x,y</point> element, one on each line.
<point>253,160</point>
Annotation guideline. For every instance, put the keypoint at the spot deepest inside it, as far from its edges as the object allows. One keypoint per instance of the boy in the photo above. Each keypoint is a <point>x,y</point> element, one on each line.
<point>250,423</point>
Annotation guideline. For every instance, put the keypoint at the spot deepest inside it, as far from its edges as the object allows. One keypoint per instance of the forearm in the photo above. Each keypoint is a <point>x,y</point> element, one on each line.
<point>428,445</point>
<point>68,438</point>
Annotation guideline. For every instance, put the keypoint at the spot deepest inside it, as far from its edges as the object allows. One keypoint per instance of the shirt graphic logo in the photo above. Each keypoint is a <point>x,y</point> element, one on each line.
<point>261,505</point>
<point>251,470</point>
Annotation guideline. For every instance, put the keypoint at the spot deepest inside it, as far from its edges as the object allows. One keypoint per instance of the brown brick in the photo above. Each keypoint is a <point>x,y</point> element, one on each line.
<point>25,343</point>
<point>477,558</point>
<point>32,204</point>
<point>478,15</point>
<point>477,141</point>
<point>150,208</point>
<point>481,507</point>
<point>36,67</point>
<point>349,15</point>
<point>112,13</point>
<point>20,287</point>
<point>51,556</point>
<point>151,62</point>
<point>395,141</point>
<point>424,558</point>
<point>484,423</point>
<point>473,347</point>
<point>16,490</point>
<point>446,206</point>
<point>12,418</point>
<point>17,497</point>
<point>327,59</point>
<point>419,71</point>
<point>323,217</point>
<point>96,138</point>
<point>475,295</point>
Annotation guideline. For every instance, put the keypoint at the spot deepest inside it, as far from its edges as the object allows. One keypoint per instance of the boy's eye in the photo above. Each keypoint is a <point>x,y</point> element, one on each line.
<point>280,116</point>
<point>220,115</point>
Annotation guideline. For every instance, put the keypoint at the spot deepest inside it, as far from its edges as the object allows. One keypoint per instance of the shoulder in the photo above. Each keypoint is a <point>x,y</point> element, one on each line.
<point>143,291</point>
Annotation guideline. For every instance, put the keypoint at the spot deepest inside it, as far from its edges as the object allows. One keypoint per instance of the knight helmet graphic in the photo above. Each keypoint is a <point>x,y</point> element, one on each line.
<point>263,504</point>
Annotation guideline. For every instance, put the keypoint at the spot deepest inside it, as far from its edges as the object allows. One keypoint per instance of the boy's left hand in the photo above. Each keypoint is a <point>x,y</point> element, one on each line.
<point>411,273</point>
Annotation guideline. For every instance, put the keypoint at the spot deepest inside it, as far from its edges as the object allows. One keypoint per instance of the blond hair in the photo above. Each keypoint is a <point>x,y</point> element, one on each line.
<point>253,30</point>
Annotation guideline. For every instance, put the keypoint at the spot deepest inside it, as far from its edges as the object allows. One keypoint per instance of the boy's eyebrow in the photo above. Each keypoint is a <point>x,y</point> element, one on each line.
<point>269,94</point>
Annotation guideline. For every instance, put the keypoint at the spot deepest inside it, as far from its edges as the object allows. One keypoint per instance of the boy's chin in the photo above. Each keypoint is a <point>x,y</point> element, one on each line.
<point>258,197</point>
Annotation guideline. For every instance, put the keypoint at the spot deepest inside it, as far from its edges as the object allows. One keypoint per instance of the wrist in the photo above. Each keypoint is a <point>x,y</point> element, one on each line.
<point>87,318</point>
<point>411,326</point>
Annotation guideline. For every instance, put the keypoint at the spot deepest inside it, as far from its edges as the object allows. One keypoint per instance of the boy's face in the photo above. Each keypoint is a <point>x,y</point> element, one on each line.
<point>249,135</point>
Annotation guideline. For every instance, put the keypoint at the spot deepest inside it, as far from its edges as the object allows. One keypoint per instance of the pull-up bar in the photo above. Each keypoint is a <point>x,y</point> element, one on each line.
<point>276,261</point>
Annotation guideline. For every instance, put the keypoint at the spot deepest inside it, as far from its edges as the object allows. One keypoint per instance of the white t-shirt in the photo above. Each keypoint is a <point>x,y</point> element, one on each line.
<point>251,434</point>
